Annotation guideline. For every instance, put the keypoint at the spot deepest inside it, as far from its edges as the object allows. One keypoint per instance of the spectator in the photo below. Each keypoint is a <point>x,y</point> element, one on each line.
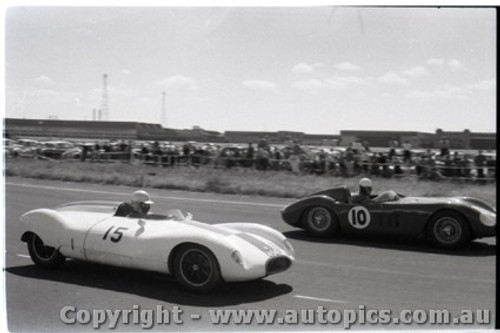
<point>96,152</point>
<point>250,154</point>
<point>364,159</point>
<point>491,167</point>
<point>288,142</point>
<point>480,163</point>
<point>349,161</point>
<point>321,161</point>
<point>393,144</point>
<point>375,167</point>
<point>295,153</point>
<point>356,146</point>
<point>396,162</point>
<point>383,160</point>
<point>123,146</point>
<point>366,146</point>
<point>107,150</point>
<point>186,152</point>
<point>466,166</point>
<point>263,143</point>
<point>418,161</point>
<point>85,150</point>
<point>276,158</point>
<point>262,161</point>
<point>407,152</point>
<point>448,166</point>
<point>144,150</point>
<point>332,161</point>
<point>444,146</point>
<point>457,165</point>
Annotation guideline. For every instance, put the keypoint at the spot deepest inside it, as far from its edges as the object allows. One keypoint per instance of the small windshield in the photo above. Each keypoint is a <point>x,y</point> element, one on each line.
<point>171,214</point>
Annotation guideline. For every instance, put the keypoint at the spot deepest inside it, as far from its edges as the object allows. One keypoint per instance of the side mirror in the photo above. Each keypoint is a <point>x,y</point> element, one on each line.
<point>141,223</point>
<point>189,216</point>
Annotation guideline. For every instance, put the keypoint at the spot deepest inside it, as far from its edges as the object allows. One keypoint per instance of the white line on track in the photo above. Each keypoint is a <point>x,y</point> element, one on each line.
<point>162,197</point>
<point>320,299</point>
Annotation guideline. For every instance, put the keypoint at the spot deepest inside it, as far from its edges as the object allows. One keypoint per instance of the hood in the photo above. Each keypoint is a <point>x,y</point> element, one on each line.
<point>89,207</point>
<point>467,201</point>
<point>264,241</point>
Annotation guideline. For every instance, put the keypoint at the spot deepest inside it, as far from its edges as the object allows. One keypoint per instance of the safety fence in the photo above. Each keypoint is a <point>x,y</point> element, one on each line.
<point>428,169</point>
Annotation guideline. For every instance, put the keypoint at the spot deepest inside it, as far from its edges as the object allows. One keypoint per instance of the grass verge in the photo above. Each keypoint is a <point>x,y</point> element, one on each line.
<point>233,181</point>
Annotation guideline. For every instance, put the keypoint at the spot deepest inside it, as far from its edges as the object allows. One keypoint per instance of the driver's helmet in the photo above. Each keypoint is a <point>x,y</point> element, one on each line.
<point>365,185</point>
<point>141,197</point>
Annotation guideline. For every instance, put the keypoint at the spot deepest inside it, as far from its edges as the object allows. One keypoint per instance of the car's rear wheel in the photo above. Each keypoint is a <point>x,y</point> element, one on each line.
<point>320,221</point>
<point>448,230</point>
<point>197,269</point>
<point>42,255</point>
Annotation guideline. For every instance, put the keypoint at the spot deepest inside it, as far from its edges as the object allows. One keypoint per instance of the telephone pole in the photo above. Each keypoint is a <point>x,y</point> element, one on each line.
<point>104,99</point>
<point>163,109</point>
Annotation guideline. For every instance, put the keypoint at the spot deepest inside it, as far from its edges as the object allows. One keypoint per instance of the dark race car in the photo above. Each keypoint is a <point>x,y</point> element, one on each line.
<point>448,222</point>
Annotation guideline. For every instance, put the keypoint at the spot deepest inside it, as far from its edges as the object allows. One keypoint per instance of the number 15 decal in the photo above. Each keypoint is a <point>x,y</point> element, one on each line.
<point>117,234</point>
<point>359,217</point>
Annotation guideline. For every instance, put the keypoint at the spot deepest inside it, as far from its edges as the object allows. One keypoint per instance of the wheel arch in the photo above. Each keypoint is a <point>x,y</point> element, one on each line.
<point>176,250</point>
<point>48,224</point>
<point>25,237</point>
<point>468,231</point>
<point>447,209</point>
<point>304,212</point>
<point>315,201</point>
<point>332,228</point>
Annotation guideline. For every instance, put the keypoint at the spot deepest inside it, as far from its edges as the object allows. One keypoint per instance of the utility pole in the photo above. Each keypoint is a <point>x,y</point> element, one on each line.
<point>163,119</point>
<point>104,99</point>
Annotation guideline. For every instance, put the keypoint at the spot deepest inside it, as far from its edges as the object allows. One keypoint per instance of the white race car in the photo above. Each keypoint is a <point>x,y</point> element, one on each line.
<point>199,255</point>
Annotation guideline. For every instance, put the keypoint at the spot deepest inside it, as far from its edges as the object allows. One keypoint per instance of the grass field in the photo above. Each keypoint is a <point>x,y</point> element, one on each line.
<point>248,182</point>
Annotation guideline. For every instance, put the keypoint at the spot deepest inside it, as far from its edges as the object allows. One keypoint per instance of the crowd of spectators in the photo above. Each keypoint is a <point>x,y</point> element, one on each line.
<point>358,158</point>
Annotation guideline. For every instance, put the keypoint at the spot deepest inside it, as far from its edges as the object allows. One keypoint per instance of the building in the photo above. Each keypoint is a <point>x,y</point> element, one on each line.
<point>467,139</point>
<point>101,130</point>
<point>76,129</point>
<point>457,140</point>
<point>122,130</point>
<point>282,137</point>
<point>382,138</point>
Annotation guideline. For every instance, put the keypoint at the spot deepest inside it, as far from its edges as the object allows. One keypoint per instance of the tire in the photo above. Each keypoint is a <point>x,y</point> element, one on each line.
<point>197,269</point>
<point>320,221</point>
<point>44,256</point>
<point>448,230</point>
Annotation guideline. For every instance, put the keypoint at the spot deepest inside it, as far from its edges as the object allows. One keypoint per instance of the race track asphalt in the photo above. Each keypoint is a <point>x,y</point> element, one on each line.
<point>334,274</point>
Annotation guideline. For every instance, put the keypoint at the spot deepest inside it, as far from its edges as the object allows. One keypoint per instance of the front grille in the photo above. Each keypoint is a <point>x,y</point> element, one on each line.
<point>278,264</point>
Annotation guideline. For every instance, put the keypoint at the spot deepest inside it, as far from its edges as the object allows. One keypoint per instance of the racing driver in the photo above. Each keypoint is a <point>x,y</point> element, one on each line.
<point>138,207</point>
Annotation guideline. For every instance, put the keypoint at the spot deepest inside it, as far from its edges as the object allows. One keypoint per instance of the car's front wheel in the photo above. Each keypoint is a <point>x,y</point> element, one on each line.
<point>42,255</point>
<point>197,269</point>
<point>320,221</point>
<point>448,230</point>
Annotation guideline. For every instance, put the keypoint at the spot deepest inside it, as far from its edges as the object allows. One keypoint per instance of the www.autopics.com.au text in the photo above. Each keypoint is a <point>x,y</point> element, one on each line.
<point>147,318</point>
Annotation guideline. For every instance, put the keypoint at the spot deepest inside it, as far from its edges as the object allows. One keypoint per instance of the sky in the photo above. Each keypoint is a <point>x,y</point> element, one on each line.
<point>317,69</point>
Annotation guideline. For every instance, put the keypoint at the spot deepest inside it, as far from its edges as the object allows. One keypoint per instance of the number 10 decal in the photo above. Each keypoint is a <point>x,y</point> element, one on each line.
<point>359,217</point>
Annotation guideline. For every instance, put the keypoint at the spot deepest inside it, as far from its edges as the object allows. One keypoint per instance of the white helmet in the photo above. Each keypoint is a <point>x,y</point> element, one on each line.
<point>365,182</point>
<point>141,196</point>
